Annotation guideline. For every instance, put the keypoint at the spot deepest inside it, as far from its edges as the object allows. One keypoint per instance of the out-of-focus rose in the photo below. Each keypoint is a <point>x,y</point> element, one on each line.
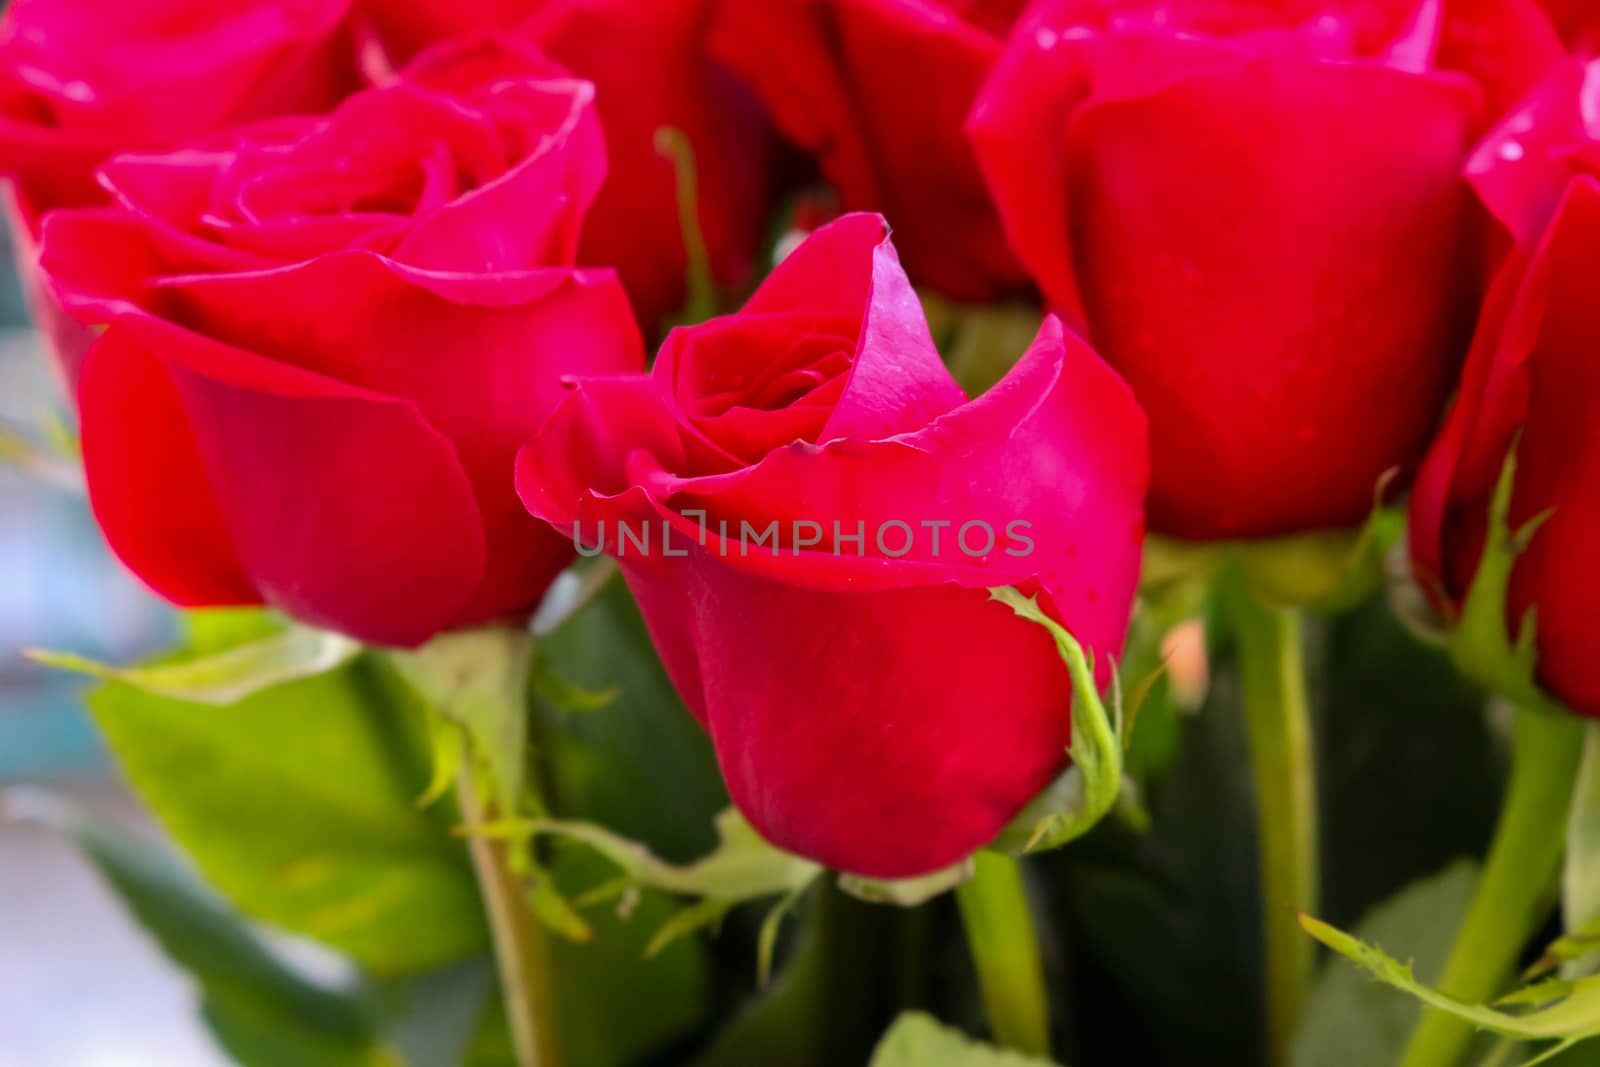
<point>1578,21</point>
<point>877,90</point>
<point>327,341</point>
<point>825,511</point>
<point>1257,212</point>
<point>648,61</point>
<point>83,79</point>
<point>1532,379</point>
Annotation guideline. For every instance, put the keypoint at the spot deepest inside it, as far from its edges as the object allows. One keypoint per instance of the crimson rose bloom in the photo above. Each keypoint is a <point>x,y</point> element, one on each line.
<point>1257,212</point>
<point>326,343</point>
<point>1532,378</point>
<point>648,61</point>
<point>84,79</point>
<point>877,91</point>
<point>1578,21</point>
<point>825,510</point>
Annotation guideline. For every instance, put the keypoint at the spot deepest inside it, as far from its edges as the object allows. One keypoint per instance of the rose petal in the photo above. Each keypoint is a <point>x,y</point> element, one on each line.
<point>147,482</point>
<point>345,508</point>
<point>480,356</point>
<point>1329,265</point>
<point>835,78</point>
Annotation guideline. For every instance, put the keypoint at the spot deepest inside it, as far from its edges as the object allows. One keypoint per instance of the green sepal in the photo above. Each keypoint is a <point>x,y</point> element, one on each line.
<point>1568,1015</point>
<point>907,892</point>
<point>1479,640</point>
<point>1078,800</point>
<point>478,679</point>
<point>226,677</point>
<point>767,942</point>
<point>743,867</point>
<point>550,687</point>
<point>1574,946</point>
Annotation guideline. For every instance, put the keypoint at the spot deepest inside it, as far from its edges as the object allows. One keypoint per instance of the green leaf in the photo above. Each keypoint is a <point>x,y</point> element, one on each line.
<point>431,1019</point>
<point>807,1019</point>
<point>1349,1019</point>
<point>1064,813</point>
<point>264,1013</point>
<point>226,677</point>
<point>642,765</point>
<point>918,1040</point>
<point>661,996</point>
<point>300,805</point>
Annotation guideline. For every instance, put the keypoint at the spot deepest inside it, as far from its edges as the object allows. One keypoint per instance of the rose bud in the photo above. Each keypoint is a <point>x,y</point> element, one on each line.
<point>877,90</point>
<point>326,343</point>
<point>84,79</point>
<point>825,511</point>
<point>1531,382</point>
<point>648,61</point>
<point>1257,213</point>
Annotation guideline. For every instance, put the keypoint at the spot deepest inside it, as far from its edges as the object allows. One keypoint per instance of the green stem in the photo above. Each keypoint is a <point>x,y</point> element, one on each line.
<point>675,145</point>
<point>476,681</point>
<point>1005,949</point>
<point>1278,721</point>
<point>521,949</point>
<point>1517,886</point>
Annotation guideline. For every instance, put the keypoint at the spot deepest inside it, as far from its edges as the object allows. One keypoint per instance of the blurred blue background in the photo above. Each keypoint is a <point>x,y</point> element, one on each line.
<point>80,985</point>
<point>59,588</point>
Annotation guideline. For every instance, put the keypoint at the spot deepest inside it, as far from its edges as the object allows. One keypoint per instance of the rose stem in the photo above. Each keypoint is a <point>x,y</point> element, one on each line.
<point>1518,885</point>
<point>1005,950</point>
<point>520,947</point>
<point>1278,722</point>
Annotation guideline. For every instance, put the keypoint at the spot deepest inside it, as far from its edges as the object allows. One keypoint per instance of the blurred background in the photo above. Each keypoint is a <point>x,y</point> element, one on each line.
<point>80,985</point>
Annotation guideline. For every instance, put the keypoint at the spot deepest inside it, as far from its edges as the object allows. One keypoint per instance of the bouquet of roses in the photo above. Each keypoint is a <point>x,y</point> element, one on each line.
<point>658,495</point>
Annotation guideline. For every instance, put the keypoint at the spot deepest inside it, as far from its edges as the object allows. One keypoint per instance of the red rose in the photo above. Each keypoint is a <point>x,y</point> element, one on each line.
<point>877,91</point>
<point>1532,378</point>
<point>1257,212</point>
<point>648,61</point>
<point>825,510</point>
<point>1578,21</point>
<point>407,27</point>
<point>326,343</point>
<point>80,81</point>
